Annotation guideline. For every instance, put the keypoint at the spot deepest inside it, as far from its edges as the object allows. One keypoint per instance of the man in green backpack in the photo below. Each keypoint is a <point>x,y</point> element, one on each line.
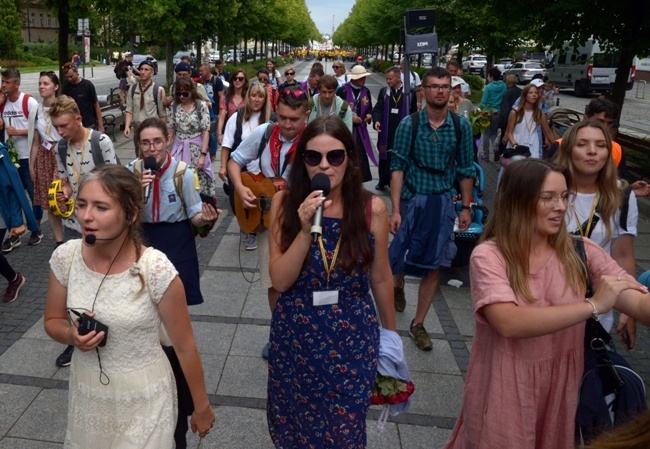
<point>325,102</point>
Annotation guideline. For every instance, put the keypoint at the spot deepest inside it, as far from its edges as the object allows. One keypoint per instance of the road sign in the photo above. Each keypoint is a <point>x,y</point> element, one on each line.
<point>420,18</point>
<point>83,27</point>
<point>421,43</point>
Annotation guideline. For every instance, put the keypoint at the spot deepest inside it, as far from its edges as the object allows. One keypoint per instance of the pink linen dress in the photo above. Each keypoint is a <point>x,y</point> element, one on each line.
<point>523,393</point>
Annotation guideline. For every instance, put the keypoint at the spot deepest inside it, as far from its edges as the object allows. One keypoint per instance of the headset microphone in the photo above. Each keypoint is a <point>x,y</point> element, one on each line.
<point>90,239</point>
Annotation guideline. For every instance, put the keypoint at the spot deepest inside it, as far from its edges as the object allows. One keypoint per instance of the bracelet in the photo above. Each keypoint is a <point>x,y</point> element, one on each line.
<point>465,207</point>
<point>595,311</point>
<point>204,154</point>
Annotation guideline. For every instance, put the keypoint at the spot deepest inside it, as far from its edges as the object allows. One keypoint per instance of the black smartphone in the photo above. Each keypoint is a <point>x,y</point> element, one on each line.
<point>88,324</point>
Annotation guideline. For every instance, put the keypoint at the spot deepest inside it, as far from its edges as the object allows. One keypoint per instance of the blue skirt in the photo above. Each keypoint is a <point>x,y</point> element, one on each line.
<point>176,241</point>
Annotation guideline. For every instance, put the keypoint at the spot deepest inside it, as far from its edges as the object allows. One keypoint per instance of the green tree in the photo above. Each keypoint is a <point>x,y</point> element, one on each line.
<point>622,26</point>
<point>10,28</point>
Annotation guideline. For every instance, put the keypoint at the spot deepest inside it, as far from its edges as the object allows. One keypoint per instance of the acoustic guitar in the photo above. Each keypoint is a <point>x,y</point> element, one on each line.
<point>256,219</point>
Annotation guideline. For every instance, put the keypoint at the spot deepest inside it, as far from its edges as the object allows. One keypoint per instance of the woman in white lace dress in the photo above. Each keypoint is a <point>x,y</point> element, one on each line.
<point>121,395</point>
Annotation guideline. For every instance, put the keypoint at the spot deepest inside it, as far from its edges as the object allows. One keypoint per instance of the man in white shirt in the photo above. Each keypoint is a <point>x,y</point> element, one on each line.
<point>14,110</point>
<point>274,161</point>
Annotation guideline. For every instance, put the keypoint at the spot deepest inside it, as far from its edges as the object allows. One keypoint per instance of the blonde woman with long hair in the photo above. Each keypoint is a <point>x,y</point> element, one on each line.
<point>586,155</point>
<point>528,290</point>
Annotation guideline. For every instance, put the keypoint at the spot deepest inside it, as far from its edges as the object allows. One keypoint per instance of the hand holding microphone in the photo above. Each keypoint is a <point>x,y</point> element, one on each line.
<point>320,182</point>
<point>150,167</point>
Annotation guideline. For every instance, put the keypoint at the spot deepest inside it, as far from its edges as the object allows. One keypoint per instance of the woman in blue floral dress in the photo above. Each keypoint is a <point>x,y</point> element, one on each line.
<point>324,331</point>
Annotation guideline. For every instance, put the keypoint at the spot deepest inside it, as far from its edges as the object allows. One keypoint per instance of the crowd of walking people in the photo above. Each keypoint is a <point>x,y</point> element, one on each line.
<point>558,250</point>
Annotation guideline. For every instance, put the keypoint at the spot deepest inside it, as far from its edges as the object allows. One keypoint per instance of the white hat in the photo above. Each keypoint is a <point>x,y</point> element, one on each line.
<point>357,72</point>
<point>537,82</point>
<point>456,81</point>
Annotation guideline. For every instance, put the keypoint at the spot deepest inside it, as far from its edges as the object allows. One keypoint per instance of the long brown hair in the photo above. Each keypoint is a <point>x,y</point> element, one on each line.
<point>355,248</point>
<point>125,188</point>
<point>633,435</point>
<point>537,112</point>
<point>230,92</point>
<point>511,227</point>
<point>611,195</point>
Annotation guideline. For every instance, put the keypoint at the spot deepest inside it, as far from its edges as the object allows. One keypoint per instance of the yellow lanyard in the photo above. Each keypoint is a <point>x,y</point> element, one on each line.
<point>320,108</point>
<point>48,124</point>
<point>329,267</point>
<point>398,98</point>
<point>73,156</point>
<point>586,232</point>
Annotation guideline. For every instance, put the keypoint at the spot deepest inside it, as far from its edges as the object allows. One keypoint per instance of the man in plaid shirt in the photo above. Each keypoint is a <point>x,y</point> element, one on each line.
<point>422,178</point>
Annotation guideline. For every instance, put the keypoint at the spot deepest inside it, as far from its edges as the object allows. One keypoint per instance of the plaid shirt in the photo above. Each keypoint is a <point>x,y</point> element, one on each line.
<point>432,152</point>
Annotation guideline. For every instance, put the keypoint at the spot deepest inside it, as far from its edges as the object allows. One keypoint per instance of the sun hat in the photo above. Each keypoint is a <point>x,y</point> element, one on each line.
<point>456,81</point>
<point>357,72</point>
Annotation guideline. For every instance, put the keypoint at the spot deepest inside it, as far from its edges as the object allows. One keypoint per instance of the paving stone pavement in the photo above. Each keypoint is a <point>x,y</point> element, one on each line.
<point>231,328</point>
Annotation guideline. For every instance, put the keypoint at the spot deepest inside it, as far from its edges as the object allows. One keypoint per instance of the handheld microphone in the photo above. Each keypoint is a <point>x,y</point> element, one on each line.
<point>151,165</point>
<point>320,181</point>
<point>90,239</point>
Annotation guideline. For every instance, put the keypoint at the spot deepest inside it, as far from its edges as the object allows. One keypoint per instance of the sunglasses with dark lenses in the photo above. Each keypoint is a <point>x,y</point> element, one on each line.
<point>297,93</point>
<point>182,94</point>
<point>239,78</point>
<point>336,66</point>
<point>290,73</point>
<point>334,157</point>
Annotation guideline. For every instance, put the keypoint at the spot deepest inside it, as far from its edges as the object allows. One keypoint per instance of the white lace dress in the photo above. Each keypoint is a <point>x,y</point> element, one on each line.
<point>137,408</point>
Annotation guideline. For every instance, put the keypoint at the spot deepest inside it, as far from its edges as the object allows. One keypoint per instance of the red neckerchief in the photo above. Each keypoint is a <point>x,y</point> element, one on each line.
<point>275,145</point>
<point>155,203</point>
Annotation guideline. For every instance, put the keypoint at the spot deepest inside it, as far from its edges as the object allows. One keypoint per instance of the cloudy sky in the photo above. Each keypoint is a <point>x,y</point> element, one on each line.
<point>322,12</point>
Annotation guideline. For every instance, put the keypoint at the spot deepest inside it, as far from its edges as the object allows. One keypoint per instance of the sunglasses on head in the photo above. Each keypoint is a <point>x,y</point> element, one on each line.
<point>182,94</point>
<point>48,73</point>
<point>239,78</point>
<point>296,93</point>
<point>313,158</point>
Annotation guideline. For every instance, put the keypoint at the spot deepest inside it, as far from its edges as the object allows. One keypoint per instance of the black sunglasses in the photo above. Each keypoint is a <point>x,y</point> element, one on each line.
<point>290,73</point>
<point>313,158</point>
<point>239,78</point>
<point>182,94</point>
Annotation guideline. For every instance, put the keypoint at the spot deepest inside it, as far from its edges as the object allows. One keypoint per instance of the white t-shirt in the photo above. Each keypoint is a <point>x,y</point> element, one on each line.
<point>415,79</point>
<point>13,115</point>
<point>342,79</point>
<point>246,129</point>
<point>44,125</point>
<point>582,207</point>
<point>80,162</point>
<point>273,78</point>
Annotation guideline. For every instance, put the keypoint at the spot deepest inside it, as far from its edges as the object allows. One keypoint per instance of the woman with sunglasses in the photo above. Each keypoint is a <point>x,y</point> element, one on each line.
<point>324,330</point>
<point>188,119</point>
<point>43,139</point>
<point>290,73</point>
<point>274,75</point>
<point>233,99</point>
<point>605,210</point>
<point>528,288</point>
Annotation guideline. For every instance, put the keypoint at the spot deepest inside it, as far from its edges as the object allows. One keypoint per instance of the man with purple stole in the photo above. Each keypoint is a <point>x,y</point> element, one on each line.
<point>358,96</point>
<point>389,110</point>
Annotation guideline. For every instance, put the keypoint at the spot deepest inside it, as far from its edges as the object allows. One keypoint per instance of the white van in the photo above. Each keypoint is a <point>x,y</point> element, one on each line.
<point>586,69</point>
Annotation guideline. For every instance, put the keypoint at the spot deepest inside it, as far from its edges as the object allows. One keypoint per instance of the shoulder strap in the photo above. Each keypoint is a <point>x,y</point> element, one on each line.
<point>133,90</point>
<point>63,153</point>
<point>265,139</point>
<point>156,90</point>
<point>456,121</point>
<point>579,246</point>
<point>343,110</point>
<point>26,98</point>
<point>310,104</point>
<point>415,122</point>
<point>95,149</point>
<point>138,167</point>
<point>181,167</point>
<point>625,208</point>
<point>198,103</point>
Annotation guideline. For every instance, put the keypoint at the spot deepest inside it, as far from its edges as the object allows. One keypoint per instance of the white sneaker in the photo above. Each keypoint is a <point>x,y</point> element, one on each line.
<point>251,243</point>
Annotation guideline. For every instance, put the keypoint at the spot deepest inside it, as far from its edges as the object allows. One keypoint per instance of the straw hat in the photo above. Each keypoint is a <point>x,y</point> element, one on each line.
<point>357,72</point>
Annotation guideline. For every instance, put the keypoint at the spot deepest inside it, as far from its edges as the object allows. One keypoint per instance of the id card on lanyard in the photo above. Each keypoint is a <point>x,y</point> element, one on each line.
<point>327,297</point>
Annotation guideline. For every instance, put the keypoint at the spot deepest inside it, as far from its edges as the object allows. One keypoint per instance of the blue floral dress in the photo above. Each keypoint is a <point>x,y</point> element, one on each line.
<point>322,359</point>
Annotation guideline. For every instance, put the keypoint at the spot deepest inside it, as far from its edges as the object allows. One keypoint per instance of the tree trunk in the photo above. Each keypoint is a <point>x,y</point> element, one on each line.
<point>245,58</point>
<point>255,50</point>
<point>199,52</point>
<point>64,32</point>
<point>169,55</point>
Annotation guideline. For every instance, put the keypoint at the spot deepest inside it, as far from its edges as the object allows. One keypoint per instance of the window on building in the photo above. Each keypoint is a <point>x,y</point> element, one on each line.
<point>42,23</point>
<point>49,20</point>
<point>33,18</point>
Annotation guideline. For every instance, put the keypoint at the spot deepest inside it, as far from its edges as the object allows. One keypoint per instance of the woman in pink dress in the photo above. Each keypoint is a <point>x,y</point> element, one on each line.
<point>528,292</point>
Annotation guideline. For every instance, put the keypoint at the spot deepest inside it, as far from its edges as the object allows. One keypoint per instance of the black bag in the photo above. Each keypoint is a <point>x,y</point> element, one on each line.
<point>519,150</point>
<point>611,393</point>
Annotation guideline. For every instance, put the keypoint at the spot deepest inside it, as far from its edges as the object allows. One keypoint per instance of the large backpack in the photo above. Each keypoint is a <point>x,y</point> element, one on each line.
<point>197,104</point>
<point>611,393</point>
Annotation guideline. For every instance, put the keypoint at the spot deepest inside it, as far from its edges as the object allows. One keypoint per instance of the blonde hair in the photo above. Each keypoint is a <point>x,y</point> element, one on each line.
<point>511,229</point>
<point>265,113</point>
<point>537,112</point>
<point>611,195</point>
<point>64,105</point>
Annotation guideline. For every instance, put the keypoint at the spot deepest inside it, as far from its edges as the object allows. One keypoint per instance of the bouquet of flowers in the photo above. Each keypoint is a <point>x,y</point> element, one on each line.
<point>389,390</point>
<point>11,149</point>
<point>480,119</point>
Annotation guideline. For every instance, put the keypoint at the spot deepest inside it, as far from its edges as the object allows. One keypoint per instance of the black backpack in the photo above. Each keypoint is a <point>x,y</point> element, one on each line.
<point>95,150</point>
<point>238,130</point>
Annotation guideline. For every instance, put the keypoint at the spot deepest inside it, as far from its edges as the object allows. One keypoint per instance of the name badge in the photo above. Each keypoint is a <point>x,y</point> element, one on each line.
<point>47,145</point>
<point>394,111</point>
<point>326,298</point>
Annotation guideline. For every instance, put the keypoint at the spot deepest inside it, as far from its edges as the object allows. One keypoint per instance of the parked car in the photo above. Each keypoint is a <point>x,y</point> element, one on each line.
<point>137,59</point>
<point>524,71</point>
<point>504,64</point>
<point>213,57</point>
<point>180,54</point>
<point>475,64</point>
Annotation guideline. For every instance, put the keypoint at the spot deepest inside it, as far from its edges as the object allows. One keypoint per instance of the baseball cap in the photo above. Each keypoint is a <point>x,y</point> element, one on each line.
<point>145,62</point>
<point>537,83</point>
<point>182,67</point>
<point>456,81</point>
